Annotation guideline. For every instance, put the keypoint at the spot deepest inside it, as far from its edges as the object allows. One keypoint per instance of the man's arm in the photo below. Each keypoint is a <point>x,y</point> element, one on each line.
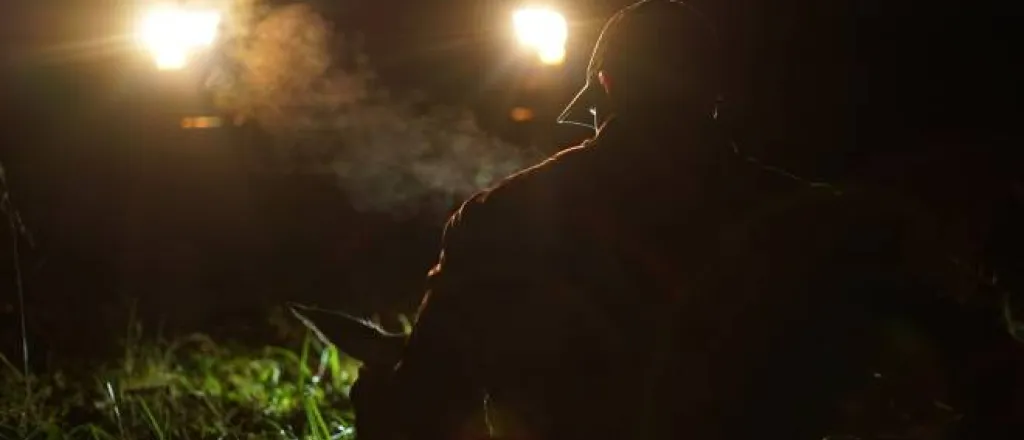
<point>438,381</point>
<point>491,313</point>
<point>483,275</point>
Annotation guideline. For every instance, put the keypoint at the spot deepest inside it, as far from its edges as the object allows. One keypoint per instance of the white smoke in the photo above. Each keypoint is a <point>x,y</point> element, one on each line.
<point>386,151</point>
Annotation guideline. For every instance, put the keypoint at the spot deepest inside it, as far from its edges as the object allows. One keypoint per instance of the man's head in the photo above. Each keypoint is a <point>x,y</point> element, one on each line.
<point>653,57</point>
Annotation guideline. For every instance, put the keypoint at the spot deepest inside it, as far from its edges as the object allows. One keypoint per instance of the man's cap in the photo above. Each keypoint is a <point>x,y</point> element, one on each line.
<point>665,33</point>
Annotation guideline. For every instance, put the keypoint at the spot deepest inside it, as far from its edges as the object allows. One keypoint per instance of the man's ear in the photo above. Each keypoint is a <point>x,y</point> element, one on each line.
<point>605,81</point>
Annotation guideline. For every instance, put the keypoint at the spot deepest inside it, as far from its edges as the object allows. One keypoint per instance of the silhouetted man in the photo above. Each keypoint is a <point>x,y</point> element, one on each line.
<point>633,287</point>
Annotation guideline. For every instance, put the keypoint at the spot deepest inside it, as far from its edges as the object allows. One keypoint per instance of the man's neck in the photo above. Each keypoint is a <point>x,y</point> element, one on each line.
<point>667,148</point>
<point>662,130</point>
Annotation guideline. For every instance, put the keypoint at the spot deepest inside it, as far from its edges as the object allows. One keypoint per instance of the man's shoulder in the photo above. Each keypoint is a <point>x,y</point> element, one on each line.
<point>512,212</point>
<point>547,172</point>
<point>528,187</point>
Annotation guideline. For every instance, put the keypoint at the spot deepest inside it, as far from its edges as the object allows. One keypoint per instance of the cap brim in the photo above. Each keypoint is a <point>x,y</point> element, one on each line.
<point>580,109</point>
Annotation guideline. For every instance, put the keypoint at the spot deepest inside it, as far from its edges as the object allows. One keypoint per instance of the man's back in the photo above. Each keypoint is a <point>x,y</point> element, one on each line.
<point>557,289</point>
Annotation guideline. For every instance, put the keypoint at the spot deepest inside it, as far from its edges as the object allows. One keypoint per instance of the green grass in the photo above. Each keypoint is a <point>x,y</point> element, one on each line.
<point>189,388</point>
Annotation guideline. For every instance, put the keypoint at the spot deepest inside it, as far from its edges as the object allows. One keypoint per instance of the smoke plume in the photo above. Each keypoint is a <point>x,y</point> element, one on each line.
<point>316,94</point>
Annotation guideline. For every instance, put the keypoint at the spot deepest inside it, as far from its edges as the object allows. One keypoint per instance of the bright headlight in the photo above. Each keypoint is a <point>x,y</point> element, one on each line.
<point>172,34</point>
<point>542,30</point>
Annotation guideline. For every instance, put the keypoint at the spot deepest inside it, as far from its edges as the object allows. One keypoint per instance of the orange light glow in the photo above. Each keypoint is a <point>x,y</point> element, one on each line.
<point>521,114</point>
<point>201,122</point>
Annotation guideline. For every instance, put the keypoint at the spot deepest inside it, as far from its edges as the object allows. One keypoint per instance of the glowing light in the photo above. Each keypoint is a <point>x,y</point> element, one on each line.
<point>199,122</point>
<point>551,55</point>
<point>172,34</point>
<point>521,114</point>
<point>542,30</point>
<point>170,59</point>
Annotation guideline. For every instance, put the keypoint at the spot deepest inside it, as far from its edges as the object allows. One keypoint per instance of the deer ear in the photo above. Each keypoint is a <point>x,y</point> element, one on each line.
<point>358,338</point>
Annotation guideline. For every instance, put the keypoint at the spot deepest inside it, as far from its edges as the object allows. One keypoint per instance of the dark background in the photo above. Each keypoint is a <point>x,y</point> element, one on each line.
<point>125,208</point>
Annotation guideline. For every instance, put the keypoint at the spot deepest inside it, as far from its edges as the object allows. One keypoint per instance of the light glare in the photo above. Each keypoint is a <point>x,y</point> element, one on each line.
<point>551,55</point>
<point>172,34</point>
<point>200,122</point>
<point>543,31</point>
<point>170,59</point>
<point>521,114</point>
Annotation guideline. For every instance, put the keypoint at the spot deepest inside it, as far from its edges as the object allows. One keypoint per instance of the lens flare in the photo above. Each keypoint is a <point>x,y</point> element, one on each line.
<point>542,30</point>
<point>172,34</point>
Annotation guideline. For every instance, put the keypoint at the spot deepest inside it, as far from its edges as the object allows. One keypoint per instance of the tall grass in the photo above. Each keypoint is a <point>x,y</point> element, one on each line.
<point>189,388</point>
